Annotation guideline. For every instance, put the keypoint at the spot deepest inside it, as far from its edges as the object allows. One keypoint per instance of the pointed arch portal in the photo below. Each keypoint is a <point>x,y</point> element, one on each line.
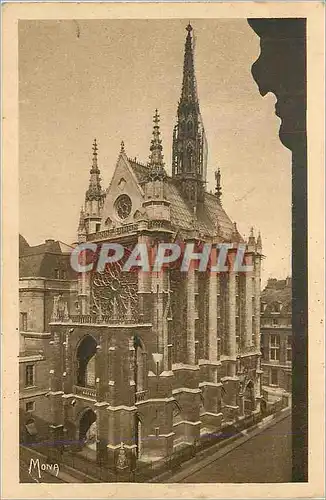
<point>86,352</point>
<point>88,429</point>
<point>249,397</point>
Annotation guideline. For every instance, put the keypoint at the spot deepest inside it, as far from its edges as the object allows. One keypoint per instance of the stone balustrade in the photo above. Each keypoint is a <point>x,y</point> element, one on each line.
<point>140,396</point>
<point>96,319</point>
<point>89,392</point>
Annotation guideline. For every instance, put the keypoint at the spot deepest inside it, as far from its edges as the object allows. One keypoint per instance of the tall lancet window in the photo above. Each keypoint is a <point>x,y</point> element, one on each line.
<point>139,366</point>
<point>90,373</point>
<point>189,159</point>
<point>85,358</point>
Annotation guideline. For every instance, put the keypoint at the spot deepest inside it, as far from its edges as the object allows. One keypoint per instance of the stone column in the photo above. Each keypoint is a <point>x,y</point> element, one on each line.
<point>231,334</point>
<point>158,311</point>
<point>256,311</point>
<point>111,375</point>
<point>191,354</point>
<point>144,279</point>
<point>248,304</point>
<point>165,326</point>
<point>212,318</point>
<point>83,287</point>
<point>131,377</point>
<point>57,365</point>
<point>67,381</point>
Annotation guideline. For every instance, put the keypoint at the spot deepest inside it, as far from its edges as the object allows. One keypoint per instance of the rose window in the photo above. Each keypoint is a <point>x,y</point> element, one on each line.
<point>114,293</point>
<point>123,206</point>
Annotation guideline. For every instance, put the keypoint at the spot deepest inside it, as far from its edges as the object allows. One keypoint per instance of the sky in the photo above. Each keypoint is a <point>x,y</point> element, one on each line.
<point>104,78</point>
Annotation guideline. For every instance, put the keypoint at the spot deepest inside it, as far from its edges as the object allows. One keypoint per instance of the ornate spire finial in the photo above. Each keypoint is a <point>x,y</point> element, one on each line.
<point>156,163</point>
<point>94,168</point>
<point>218,188</point>
<point>122,147</point>
<point>81,225</point>
<point>156,118</point>
<point>189,27</point>
<point>95,147</point>
<point>94,191</point>
<point>251,240</point>
<point>259,243</point>
<point>235,233</point>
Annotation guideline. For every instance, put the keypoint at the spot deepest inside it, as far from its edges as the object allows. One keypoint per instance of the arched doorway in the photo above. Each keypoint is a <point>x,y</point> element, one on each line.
<point>177,425</point>
<point>249,397</point>
<point>88,429</point>
<point>86,352</point>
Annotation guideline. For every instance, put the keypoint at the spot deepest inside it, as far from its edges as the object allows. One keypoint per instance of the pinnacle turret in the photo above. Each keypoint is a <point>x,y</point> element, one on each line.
<point>94,197</point>
<point>156,170</point>
<point>259,243</point>
<point>251,241</point>
<point>81,231</point>
<point>94,191</point>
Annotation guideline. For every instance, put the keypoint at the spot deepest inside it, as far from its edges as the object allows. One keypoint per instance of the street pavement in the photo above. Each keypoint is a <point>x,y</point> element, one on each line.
<point>264,458</point>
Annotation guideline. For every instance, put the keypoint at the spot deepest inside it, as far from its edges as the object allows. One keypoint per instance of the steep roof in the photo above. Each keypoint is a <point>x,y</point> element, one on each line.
<point>42,260</point>
<point>23,245</point>
<point>277,291</point>
<point>210,216</point>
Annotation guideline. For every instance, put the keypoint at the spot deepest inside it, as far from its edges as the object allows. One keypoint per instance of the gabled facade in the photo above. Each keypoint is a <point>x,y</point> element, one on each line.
<point>44,274</point>
<point>151,361</point>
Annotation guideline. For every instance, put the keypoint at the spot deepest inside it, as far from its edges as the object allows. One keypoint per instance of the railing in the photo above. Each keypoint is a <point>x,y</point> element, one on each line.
<point>247,350</point>
<point>251,348</point>
<point>140,396</point>
<point>114,231</point>
<point>158,224</point>
<point>85,391</point>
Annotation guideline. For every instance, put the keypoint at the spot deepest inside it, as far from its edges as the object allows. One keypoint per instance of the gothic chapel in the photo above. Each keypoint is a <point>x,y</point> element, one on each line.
<point>153,361</point>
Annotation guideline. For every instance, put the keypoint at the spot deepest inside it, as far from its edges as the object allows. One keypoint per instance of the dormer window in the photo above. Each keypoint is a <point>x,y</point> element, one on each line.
<point>276,308</point>
<point>108,222</point>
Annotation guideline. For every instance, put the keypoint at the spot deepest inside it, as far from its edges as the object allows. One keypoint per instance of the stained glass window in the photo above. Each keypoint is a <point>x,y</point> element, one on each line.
<point>123,206</point>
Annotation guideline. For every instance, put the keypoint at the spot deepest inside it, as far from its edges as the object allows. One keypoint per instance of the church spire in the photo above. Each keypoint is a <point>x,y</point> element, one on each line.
<point>189,93</point>
<point>94,197</point>
<point>189,143</point>
<point>94,191</point>
<point>156,164</point>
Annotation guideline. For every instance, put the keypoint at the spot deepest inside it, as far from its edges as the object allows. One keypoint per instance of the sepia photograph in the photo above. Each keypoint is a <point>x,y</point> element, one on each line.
<point>163,250</point>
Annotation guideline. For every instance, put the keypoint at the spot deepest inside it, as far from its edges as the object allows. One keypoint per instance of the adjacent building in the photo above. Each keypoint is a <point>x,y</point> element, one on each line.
<point>276,337</point>
<point>44,274</point>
